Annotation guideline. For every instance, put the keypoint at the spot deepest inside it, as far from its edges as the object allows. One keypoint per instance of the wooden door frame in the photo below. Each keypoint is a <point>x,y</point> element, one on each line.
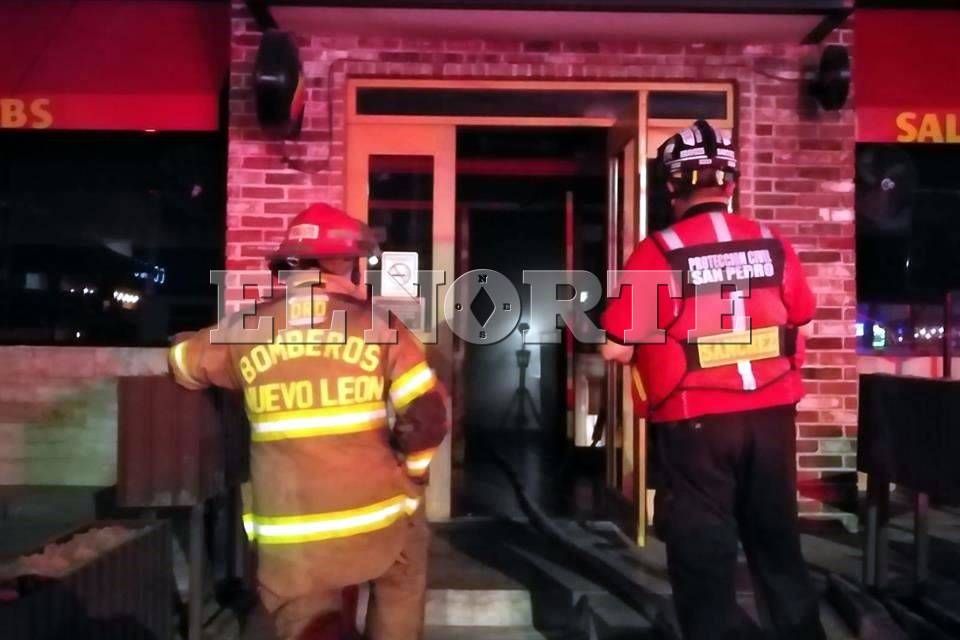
<point>438,142</point>
<point>627,155</point>
<point>355,83</point>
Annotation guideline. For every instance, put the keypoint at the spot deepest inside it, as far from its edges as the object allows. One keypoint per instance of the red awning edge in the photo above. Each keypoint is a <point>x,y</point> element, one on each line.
<point>113,64</point>
<point>904,75</point>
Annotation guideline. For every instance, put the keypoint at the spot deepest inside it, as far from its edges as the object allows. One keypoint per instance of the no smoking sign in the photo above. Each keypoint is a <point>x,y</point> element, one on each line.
<point>399,278</point>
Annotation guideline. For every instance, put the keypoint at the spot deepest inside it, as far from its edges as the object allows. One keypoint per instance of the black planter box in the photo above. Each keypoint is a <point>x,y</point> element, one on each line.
<point>176,447</point>
<point>122,594</point>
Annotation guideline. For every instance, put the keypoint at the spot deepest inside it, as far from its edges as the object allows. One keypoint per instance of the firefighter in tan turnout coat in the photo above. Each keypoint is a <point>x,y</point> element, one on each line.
<point>337,493</point>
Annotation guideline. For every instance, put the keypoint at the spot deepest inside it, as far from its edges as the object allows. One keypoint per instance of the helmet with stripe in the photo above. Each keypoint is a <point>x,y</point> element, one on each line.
<point>322,232</point>
<point>698,156</point>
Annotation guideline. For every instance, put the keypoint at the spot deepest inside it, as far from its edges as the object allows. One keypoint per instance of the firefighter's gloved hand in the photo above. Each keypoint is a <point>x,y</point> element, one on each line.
<point>395,448</point>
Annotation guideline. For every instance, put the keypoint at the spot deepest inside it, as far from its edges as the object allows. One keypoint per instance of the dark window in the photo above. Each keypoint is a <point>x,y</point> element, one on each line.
<point>535,104</point>
<point>710,105</point>
<point>908,244</point>
<point>109,238</point>
<point>491,103</point>
<point>401,205</point>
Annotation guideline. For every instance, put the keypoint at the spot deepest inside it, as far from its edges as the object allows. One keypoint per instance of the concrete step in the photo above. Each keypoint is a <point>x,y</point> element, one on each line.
<point>504,574</point>
<point>501,575</point>
<point>492,633</point>
<point>490,608</point>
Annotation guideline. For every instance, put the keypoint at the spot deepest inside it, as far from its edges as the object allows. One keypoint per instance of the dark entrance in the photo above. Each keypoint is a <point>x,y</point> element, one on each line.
<point>526,199</point>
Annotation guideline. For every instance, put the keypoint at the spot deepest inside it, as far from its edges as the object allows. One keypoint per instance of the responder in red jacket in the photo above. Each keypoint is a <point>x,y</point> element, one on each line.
<point>337,494</point>
<point>718,377</point>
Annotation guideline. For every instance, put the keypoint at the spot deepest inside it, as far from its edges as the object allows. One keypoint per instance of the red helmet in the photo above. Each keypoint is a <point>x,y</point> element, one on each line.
<point>322,231</point>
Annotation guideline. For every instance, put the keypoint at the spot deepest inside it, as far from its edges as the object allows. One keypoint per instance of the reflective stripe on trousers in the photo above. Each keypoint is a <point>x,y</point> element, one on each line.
<point>327,526</point>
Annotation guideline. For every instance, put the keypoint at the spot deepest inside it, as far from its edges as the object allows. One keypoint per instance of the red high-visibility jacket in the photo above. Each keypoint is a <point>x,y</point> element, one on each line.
<point>751,357</point>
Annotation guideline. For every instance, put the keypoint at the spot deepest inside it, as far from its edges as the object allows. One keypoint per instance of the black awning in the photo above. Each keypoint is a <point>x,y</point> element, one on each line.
<point>746,21</point>
<point>662,6</point>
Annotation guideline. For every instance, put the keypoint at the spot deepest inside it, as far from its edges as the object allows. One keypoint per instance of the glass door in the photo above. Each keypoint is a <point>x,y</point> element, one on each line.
<point>400,179</point>
<point>626,439</point>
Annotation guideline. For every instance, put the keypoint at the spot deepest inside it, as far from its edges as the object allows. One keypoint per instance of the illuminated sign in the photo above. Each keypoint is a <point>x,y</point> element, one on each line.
<point>928,127</point>
<point>110,112</point>
<point>16,113</point>
<point>905,91</point>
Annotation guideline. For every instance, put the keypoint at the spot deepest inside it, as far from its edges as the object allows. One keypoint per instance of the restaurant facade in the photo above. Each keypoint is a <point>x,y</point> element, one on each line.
<point>395,91</point>
<point>511,136</point>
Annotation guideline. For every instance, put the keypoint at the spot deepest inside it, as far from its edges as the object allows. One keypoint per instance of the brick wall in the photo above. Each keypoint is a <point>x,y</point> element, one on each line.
<point>58,412</point>
<point>798,172</point>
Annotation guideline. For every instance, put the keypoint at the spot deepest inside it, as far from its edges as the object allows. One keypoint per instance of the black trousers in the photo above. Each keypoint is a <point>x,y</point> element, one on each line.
<point>729,475</point>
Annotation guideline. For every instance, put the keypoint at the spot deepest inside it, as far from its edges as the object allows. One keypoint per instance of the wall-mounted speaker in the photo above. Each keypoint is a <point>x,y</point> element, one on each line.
<point>278,83</point>
<point>831,82</point>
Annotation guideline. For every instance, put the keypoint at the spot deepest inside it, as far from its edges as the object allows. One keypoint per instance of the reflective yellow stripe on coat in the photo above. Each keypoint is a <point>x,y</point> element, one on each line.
<point>638,384</point>
<point>178,360</point>
<point>328,421</point>
<point>418,463</point>
<point>249,527</point>
<point>327,526</point>
<point>411,385</point>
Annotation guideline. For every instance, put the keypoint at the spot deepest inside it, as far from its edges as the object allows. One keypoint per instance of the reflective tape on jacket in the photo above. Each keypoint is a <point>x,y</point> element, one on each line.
<point>327,421</point>
<point>418,463</point>
<point>638,384</point>
<point>249,527</point>
<point>178,358</point>
<point>733,347</point>
<point>411,385</point>
<point>327,526</point>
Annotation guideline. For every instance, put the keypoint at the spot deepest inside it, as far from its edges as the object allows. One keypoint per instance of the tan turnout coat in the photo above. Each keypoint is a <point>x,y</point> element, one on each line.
<point>333,484</point>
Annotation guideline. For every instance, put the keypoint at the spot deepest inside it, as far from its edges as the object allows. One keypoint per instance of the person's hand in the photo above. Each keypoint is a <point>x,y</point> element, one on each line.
<point>612,351</point>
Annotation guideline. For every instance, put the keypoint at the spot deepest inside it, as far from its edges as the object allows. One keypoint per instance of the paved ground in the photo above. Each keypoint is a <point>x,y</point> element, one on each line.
<point>500,579</point>
<point>547,585</point>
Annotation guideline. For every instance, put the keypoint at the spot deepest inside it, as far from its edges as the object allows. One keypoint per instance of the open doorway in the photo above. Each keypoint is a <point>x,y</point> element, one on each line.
<point>511,147</point>
<point>527,198</point>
